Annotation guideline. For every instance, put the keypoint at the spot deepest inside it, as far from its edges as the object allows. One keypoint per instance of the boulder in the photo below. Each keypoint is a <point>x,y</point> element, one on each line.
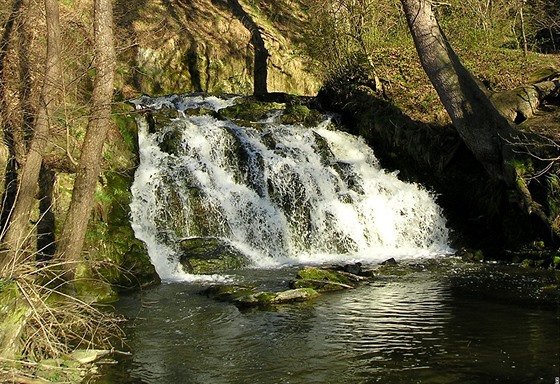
<point>272,298</point>
<point>207,255</point>
<point>245,295</point>
<point>321,279</point>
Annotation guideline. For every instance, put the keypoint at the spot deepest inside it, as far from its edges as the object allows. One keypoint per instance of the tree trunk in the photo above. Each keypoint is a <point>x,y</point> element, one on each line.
<point>483,129</point>
<point>75,226</point>
<point>260,62</point>
<point>17,231</point>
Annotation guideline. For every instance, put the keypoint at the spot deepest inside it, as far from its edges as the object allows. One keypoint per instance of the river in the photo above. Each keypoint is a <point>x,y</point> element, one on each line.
<point>432,321</point>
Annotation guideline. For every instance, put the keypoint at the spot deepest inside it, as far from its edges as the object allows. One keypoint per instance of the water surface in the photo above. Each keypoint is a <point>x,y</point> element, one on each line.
<point>433,322</point>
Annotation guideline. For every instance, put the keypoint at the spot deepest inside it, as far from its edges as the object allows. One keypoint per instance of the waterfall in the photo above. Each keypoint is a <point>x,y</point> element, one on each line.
<point>282,194</point>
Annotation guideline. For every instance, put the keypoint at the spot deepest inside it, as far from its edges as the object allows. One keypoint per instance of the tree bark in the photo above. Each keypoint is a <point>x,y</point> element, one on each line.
<point>260,62</point>
<point>483,129</point>
<point>17,231</point>
<point>75,226</point>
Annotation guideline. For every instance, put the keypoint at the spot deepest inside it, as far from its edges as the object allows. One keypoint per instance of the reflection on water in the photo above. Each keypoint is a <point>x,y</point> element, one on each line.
<point>424,327</point>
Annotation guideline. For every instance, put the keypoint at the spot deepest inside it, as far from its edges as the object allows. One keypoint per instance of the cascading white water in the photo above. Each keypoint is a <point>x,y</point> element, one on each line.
<point>283,194</point>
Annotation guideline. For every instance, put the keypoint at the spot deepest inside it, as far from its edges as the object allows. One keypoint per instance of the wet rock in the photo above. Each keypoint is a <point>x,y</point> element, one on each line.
<point>229,293</point>
<point>271,298</point>
<point>470,255</point>
<point>321,279</point>
<point>245,295</point>
<point>390,261</point>
<point>207,255</point>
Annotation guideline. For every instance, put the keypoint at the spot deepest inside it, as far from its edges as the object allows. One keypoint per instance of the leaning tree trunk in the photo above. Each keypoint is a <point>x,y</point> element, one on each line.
<point>17,231</point>
<point>483,129</point>
<point>75,226</point>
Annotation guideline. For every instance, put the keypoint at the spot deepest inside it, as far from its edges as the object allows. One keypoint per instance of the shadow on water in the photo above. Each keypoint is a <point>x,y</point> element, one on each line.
<point>422,323</point>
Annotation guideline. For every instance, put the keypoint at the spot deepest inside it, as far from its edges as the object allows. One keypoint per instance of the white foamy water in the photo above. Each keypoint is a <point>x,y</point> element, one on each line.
<point>282,194</point>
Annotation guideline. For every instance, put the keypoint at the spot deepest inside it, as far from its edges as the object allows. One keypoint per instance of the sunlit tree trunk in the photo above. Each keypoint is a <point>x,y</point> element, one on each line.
<point>18,230</point>
<point>75,226</point>
<point>483,129</point>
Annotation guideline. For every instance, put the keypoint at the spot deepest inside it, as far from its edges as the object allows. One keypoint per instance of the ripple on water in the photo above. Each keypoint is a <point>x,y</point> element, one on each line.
<point>423,327</point>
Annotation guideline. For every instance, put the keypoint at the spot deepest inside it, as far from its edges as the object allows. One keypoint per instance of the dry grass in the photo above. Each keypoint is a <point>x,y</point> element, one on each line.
<point>56,323</point>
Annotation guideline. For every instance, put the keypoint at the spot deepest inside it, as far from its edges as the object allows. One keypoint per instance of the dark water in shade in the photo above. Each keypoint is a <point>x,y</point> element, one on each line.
<point>437,322</point>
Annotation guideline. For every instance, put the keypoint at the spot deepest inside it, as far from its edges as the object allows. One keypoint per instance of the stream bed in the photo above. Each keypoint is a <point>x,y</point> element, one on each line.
<point>436,320</point>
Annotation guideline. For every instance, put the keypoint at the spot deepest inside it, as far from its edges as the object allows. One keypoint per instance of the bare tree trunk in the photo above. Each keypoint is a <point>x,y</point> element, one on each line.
<point>75,226</point>
<point>10,27</point>
<point>17,230</point>
<point>483,129</point>
<point>522,21</point>
<point>260,62</point>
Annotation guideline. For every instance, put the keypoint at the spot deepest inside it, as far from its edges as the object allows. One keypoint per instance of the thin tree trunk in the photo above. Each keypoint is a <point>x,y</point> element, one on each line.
<point>18,231</point>
<point>10,27</point>
<point>483,129</point>
<point>75,226</point>
<point>523,35</point>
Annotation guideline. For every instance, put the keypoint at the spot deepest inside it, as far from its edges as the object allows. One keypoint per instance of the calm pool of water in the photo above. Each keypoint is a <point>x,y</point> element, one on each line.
<point>432,322</point>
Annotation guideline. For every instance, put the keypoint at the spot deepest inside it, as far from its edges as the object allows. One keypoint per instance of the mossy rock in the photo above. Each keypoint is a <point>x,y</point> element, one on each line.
<point>556,262</point>
<point>543,74</point>
<point>471,255</point>
<point>323,149</point>
<point>207,255</point>
<point>90,288</point>
<point>301,114</point>
<point>274,298</point>
<point>321,280</point>
<point>14,313</point>
<point>172,141</point>
<point>225,292</point>
<point>247,111</point>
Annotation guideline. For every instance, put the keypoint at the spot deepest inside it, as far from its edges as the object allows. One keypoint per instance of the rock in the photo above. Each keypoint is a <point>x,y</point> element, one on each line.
<point>271,298</point>
<point>390,261</point>
<point>207,255</point>
<point>322,280</point>
<point>470,255</point>
<point>229,292</point>
<point>355,268</point>
<point>86,356</point>
<point>245,295</point>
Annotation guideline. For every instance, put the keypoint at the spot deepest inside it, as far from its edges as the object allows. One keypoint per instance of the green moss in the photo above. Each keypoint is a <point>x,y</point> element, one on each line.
<point>229,292</point>
<point>14,313</point>
<point>90,288</point>
<point>321,280</point>
<point>316,285</point>
<point>268,299</point>
<point>301,114</point>
<point>247,111</point>
<point>314,273</point>
<point>205,255</point>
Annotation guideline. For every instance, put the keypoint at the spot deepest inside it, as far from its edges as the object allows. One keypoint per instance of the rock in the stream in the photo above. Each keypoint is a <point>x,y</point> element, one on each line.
<point>245,295</point>
<point>271,298</point>
<point>322,279</point>
<point>207,255</point>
